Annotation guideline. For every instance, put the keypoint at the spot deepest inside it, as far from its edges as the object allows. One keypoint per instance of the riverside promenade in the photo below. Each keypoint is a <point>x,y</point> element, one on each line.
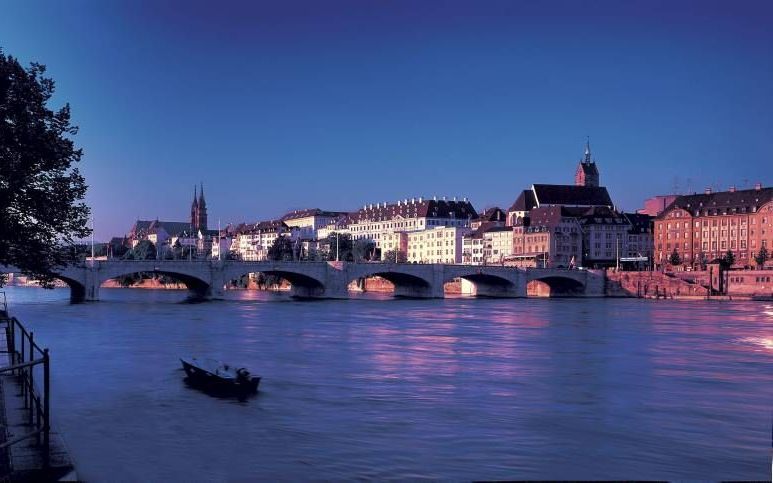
<point>29,449</point>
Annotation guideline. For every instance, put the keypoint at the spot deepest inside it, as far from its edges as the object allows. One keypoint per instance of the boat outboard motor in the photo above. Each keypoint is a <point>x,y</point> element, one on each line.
<point>242,375</point>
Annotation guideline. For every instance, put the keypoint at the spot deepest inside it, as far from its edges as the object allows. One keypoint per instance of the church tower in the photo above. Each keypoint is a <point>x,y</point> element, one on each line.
<point>194,208</point>
<point>201,213</point>
<point>587,173</point>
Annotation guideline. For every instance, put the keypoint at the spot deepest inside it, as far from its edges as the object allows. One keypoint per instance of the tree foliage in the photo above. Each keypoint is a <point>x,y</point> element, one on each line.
<point>674,259</point>
<point>343,241</point>
<point>144,250</point>
<point>395,256</point>
<point>281,249</point>
<point>761,257</point>
<point>42,211</point>
<point>728,260</point>
<point>363,250</point>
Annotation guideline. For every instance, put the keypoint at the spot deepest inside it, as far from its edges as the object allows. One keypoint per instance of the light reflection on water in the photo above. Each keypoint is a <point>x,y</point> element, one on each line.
<point>444,389</point>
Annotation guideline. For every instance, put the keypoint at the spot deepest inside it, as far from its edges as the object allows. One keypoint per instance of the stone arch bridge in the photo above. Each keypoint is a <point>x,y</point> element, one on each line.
<point>208,279</point>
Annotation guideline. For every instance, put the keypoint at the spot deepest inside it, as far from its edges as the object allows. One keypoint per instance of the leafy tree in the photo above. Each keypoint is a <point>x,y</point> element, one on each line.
<point>363,250</point>
<point>728,260</point>
<point>344,243</point>
<point>395,256</point>
<point>145,250</point>
<point>41,193</point>
<point>761,257</point>
<point>675,259</point>
<point>281,249</point>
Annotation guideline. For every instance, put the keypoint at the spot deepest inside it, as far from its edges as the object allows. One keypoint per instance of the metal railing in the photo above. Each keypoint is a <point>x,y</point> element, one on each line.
<point>24,356</point>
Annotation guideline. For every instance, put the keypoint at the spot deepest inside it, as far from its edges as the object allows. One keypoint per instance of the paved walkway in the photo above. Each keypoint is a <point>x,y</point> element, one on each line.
<point>24,461</point>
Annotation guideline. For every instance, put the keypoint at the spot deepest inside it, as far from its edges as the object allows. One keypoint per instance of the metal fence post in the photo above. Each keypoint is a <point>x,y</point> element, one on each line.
<point>46,407</point>
<point>32,375</point>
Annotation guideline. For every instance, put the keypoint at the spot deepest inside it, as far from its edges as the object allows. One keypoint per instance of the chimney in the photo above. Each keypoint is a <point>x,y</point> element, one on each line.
<point>732,189</point>
<point>757,186</point>
<point>708,190</point>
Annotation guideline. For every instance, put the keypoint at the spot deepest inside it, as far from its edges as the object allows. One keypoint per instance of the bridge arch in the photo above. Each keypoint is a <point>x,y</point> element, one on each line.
<point>198,288</point>
<point>481,284</point>
<point>77,288</point>
<point>301,284</point>
<point>555,285</point>
<point>406,283</point>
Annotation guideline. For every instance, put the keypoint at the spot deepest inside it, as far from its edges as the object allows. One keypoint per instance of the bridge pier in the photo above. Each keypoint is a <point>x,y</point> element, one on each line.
<point>91,287</point>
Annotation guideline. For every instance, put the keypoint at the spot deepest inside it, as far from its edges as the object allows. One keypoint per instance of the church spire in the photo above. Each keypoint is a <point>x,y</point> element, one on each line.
<point>587,150</point>
<point>587,173</point>
<point>201,196</point>
<point>195,197</point>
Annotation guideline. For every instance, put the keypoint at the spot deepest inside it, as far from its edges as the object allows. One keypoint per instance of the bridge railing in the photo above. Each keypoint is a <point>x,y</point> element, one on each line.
<point>24,357</point>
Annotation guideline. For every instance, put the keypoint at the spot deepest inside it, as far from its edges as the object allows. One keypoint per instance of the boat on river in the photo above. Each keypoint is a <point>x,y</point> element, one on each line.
<point>218,375</point>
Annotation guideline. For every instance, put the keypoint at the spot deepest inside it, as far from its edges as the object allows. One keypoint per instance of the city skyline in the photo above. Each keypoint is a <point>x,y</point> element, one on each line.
<point>352,104</point>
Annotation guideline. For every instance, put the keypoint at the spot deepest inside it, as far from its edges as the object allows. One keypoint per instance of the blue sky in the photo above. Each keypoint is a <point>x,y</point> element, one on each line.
<point>285,105</point>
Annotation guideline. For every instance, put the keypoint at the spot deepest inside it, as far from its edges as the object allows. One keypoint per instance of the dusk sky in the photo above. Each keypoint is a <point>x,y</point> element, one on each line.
<point>284,105</point>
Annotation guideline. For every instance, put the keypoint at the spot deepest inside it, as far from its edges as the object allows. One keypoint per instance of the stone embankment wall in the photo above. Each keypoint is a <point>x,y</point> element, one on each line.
<point>736,283</point>
<point>651,285</point>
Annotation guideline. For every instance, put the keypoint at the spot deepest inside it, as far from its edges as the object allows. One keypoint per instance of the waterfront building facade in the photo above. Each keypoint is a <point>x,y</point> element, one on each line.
<point>497,244</point>
<point>310,221</point>
<point>605,236</point>
<point>639,240</point>
<point>380,222</point>
<point>550,237</point>
<point>252,242</point>
<point>472,248</point>
<point>701,228</point>
<point>441,244</point>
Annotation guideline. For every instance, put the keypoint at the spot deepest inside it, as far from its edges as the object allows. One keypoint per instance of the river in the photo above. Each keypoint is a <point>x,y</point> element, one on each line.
<point>375,388</point>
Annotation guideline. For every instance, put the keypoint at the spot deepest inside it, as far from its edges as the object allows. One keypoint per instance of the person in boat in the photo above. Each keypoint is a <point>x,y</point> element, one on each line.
<point>242,375</point>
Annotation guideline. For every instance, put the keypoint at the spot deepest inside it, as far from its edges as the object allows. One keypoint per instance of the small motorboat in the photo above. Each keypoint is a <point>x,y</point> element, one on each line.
<point>218,375</point>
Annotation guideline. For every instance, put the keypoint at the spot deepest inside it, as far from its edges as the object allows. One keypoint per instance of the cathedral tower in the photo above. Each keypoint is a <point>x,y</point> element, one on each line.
<point>201,214</point>
<point>587,173</point>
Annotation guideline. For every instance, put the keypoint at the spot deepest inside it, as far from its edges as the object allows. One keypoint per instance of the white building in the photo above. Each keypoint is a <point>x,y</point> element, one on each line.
<point>442,244</point>
<point>382,221</point>
<point>497,244</point>
<point>252,242</point>
<point>310,221</point>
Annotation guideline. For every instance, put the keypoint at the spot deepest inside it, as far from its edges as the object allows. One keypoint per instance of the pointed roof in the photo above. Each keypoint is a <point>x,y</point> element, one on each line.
<point>202,203</point>
<point>195,197</point>
<point>587,159</point>
<point>524,202</point>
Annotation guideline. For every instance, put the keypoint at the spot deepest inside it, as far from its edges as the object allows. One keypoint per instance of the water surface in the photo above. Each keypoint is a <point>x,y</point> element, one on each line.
<point>443,389</point>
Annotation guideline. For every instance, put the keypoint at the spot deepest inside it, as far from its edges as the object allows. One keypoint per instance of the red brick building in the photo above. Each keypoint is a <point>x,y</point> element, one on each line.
<point>703,227</point>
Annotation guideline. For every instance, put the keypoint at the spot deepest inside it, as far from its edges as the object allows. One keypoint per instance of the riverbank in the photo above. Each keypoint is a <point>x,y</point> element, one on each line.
<point>22,415</point>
